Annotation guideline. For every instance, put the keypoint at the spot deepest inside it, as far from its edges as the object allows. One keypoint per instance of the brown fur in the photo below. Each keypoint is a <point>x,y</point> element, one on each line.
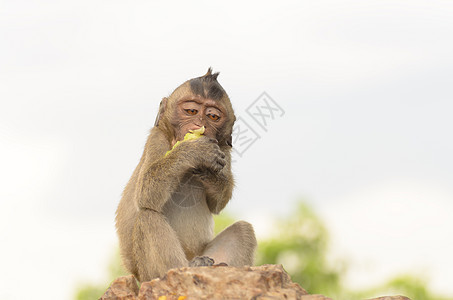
<point>164,219</point>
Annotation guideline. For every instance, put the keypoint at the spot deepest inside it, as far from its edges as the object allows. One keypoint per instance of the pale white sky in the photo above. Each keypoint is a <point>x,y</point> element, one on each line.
<point>366,87</point>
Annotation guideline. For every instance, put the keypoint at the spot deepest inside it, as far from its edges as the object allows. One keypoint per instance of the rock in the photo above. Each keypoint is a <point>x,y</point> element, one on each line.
<point>265,282</point>
<point>122,288</point>
<point>217,282</point>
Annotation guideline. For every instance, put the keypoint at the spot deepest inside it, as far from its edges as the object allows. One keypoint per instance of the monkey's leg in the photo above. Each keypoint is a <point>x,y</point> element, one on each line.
<point>234,246</point>
<point>156,246</point>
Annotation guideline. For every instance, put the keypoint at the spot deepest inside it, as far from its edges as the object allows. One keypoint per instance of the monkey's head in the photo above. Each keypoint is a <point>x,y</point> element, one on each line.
<point>197,102</point>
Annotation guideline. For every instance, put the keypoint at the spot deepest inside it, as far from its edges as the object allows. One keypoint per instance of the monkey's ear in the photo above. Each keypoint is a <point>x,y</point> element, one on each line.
<point>162,107</point>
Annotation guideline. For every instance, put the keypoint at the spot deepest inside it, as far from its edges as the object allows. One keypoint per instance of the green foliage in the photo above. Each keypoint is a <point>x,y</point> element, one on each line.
<point>89,292</point>
<point>95,291</point>
<point>408,285</point>
<point>222,221</point>
<point>115,268</point>
<point>300,243</point>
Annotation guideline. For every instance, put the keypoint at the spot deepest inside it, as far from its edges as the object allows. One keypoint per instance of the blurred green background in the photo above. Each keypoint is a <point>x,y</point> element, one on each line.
<point>301,244</point>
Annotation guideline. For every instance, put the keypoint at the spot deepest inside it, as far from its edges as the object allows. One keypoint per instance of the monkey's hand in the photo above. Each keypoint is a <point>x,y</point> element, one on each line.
<point>203,154</point>
<point>201,261</point>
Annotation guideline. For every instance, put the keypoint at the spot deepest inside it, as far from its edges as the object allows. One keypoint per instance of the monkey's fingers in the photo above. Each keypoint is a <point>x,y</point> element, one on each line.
<point>217,164</point>
<point>201,261</point>
<point>222,264</point>
<point>215,141</point>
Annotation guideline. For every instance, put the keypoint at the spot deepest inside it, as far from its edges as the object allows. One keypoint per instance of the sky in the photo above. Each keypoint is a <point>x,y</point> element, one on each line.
<point>361,91</point>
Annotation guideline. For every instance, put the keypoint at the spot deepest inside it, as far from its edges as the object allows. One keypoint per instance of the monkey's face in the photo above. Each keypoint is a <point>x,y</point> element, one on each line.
<point>194,112</point>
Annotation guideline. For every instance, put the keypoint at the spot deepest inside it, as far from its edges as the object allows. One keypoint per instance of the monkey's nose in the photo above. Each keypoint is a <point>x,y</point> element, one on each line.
<point>198,124</point>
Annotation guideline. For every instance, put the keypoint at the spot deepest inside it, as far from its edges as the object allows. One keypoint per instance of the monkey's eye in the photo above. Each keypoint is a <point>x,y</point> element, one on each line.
<point>213,117</point>
<point>191,111</point>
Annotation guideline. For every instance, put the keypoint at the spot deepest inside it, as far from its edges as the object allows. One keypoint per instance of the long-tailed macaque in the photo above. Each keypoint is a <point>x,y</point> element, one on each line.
<point>164,219</point>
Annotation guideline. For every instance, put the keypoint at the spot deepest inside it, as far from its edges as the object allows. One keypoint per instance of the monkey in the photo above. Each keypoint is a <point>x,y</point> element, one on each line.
<point>165,216</point>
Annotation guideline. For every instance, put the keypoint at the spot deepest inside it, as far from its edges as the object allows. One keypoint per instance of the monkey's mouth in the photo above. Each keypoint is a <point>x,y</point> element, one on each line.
<point>191,135</point>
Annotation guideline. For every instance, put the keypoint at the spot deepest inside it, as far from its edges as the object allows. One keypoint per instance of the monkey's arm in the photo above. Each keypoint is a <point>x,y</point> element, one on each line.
<point>160,175</point>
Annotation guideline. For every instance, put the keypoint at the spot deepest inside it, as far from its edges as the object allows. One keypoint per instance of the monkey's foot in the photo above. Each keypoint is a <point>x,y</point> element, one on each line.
<point>201,261</point>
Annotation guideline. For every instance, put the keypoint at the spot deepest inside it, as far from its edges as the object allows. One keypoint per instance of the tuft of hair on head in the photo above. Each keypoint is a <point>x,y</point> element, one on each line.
<point>207,86</point>
<point>209,75</point>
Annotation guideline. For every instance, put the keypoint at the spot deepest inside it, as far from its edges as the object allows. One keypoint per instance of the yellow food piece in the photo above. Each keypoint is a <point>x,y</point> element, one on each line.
<point>182,297</point>
<point>162,298</point>
<point>191,135</point>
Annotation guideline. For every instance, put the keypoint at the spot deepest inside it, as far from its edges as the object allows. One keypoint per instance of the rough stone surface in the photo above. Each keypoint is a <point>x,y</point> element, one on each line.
<point>265,282</point>
<point>122,288</point>
<point>391,298</point>
<point>217,282</point>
